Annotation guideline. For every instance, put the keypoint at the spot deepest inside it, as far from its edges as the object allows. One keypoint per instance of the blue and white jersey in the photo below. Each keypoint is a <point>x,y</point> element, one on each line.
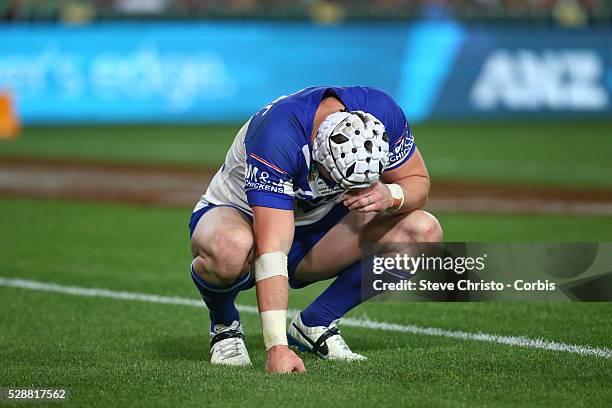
<point>269,164</point>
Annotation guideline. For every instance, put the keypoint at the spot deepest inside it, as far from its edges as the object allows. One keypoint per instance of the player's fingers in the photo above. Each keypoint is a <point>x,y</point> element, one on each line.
<point>362,202</point>
<point>348,202</point>
<point>299,367</point>
<point>360,190</point>
<point>354,205</point>
<point>351,199</point>
<point>375,197</point>
<point>363,192</point>
<point>370,208</point>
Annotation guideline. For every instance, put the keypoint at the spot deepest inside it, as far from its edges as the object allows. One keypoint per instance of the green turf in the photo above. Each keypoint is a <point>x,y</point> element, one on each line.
<point>566,153</point>
<point>125,353</point>
<point>193,145</point>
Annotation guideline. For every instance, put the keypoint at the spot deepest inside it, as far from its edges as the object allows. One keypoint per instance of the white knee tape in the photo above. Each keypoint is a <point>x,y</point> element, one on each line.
<point>271,264</point>
<point>274,327</point>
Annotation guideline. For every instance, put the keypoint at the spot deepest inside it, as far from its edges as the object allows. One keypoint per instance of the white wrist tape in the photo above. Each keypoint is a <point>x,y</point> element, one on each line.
<point>397,192</point>
<point>271,264</point>
<point>274,327</point>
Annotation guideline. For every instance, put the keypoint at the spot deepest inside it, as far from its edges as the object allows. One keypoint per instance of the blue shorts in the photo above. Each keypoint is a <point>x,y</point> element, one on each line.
<point>304,239</point>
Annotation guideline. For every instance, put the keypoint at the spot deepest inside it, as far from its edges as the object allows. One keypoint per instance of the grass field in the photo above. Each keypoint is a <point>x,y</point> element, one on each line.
<point>565,153</point>
<point>119,352</point>
<point>113,352</point>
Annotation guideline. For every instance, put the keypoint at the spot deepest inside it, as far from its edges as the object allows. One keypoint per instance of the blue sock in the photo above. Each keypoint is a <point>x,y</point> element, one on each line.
<point>220,300</point>
<point>341,296</point>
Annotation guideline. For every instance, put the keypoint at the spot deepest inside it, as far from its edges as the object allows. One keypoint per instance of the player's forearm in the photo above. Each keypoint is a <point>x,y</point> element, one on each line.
<point>272,249</point>
<point>273,232</point>
<point>416,191</point>
<point>272,293</point>
<point>272,297</point>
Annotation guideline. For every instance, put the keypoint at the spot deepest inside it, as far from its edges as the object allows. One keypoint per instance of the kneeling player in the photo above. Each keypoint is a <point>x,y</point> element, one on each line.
<point>308,179</point>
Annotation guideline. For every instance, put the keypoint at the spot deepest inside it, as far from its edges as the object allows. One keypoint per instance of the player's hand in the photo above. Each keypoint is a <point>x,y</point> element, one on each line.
<point>281,359</point>
<point>375,198</point>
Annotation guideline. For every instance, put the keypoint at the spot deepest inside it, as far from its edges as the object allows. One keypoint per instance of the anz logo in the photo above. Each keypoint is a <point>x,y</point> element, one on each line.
<point>528,80</point>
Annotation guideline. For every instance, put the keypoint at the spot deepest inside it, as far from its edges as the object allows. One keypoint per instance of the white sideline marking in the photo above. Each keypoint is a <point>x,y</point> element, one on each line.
<point>519,341</point>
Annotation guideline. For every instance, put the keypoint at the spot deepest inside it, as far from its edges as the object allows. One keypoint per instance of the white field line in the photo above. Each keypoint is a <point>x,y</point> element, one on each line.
<point>519,341</point>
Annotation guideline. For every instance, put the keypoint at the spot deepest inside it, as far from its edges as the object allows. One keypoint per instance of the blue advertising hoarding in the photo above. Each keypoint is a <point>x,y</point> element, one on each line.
<point>220,72</point>
<point>529,73</point>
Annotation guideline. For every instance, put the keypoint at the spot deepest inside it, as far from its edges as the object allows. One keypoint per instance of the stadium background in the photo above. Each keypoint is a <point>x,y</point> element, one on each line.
<point>114,115</point>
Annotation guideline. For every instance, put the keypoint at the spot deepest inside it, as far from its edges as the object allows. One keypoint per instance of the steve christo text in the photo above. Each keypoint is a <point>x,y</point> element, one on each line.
<point>410,264</point>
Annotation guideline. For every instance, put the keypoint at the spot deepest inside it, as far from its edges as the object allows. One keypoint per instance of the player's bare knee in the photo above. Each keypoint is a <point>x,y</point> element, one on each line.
<point>418,226</point>
<point>230,254</point>
<point>422,226</point>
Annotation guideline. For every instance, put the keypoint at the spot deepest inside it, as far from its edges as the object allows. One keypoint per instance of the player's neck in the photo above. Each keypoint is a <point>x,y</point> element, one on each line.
<point>327,106</point>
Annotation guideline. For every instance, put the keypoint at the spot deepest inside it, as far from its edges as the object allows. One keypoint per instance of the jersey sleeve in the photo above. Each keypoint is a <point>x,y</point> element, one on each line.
<point>272,164</point>
<point>401,141</point>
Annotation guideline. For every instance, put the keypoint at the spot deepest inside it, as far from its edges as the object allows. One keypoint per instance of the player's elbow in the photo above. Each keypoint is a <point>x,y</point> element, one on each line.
<point>425,190</point>
<point>420,204</point>
<point>420,192</point>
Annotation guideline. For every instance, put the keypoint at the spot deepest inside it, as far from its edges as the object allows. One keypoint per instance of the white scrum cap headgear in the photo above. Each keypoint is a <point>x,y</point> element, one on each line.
<point>353,147</point>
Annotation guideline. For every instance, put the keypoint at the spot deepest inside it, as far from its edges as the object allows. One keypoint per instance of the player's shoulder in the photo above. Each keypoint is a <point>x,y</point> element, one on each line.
<point>276,138</point>
<point>285,111</point>
<point>281,122</point>
<point>366,94</point>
